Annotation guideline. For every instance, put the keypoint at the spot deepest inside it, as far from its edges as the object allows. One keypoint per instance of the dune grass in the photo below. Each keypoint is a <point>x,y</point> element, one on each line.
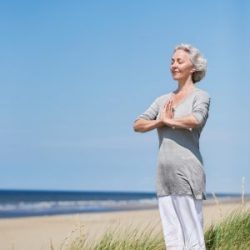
<point>145,238</point>
<point>232,233</point>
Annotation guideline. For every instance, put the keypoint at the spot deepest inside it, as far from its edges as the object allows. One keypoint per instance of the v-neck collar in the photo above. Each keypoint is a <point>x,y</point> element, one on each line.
<point>184,99</point>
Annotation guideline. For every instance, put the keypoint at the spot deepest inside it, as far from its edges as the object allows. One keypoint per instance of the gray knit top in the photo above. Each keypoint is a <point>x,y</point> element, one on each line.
<point>179,165</point>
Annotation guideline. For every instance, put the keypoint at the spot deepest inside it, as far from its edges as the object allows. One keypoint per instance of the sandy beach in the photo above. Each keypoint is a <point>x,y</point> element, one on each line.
<point>38,233</point>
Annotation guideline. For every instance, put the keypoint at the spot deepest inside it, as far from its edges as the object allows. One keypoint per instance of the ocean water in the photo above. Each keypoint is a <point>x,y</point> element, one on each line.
<point>21,203</point>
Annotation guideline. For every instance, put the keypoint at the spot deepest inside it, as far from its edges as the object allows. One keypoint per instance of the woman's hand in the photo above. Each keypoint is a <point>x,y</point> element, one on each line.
<point>167,113</point>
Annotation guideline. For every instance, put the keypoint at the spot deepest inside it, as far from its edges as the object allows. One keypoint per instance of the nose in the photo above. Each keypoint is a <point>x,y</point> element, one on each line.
<point>173,66</point>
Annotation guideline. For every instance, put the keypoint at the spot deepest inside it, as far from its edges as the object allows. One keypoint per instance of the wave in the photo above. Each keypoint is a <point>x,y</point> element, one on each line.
<point>59,207</point>
<point>18,203</point>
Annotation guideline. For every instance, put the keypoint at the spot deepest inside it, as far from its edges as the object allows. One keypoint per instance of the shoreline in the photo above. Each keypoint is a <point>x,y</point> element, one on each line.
<point>128,207</point>
<point>39,232</point>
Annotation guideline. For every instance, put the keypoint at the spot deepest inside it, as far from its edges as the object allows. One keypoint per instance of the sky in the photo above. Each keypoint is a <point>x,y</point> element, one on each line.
<point>76,74</point>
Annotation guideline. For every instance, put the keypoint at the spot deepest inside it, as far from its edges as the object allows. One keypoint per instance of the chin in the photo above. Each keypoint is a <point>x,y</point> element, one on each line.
<point>175,77</point>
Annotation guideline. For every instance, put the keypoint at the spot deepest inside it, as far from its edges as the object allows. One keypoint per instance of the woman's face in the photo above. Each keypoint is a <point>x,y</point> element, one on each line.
<point>181,66</point>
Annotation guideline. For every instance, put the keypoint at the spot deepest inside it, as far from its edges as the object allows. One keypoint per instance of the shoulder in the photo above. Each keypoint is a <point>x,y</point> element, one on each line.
<point>203,94</point>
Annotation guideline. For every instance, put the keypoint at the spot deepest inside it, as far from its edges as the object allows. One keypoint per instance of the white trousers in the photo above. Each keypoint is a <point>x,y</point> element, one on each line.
<point>182,222</point>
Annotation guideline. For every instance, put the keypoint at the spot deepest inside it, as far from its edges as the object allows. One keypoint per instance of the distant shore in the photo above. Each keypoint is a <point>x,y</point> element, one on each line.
<point>42,231</point>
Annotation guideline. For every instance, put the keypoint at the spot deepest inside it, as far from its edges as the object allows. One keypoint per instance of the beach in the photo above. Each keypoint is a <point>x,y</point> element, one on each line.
<point>42,232</point>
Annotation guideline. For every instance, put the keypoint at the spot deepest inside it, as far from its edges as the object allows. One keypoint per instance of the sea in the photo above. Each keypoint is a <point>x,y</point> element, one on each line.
<point>23,203</point>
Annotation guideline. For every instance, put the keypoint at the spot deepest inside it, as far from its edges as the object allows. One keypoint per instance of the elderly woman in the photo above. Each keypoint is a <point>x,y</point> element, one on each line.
<point>179,118</point>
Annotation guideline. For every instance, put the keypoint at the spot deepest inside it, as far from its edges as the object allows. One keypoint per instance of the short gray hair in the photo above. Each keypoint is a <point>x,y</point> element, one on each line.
<point>199,62</point>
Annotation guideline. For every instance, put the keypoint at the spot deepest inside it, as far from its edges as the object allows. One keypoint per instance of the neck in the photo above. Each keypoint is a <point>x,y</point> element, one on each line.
<point>185,85</point>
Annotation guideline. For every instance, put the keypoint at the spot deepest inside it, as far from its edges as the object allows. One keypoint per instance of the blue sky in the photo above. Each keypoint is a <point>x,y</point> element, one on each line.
<point>75,75</point>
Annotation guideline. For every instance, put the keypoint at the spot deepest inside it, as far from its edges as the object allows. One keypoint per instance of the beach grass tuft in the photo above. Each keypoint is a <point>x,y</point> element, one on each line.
<point>145,238</point>
<point>232,233</point>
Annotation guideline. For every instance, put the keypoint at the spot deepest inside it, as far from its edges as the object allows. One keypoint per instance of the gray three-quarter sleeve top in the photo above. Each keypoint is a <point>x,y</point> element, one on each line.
<point>179,165</point>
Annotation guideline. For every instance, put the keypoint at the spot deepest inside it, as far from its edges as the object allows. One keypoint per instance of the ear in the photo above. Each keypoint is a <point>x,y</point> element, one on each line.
<point>193,70</point>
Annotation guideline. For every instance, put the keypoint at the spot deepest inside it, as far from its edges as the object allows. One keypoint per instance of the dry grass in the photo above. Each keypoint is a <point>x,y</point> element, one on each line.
<point>232,233</point>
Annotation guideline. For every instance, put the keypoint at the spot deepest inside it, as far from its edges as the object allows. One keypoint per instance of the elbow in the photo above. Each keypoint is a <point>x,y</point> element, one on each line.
<point>137,127</point>
<point>196,123</point>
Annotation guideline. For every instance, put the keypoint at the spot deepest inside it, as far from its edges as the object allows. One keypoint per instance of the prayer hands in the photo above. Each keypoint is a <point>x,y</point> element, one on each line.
<point>167,113</point>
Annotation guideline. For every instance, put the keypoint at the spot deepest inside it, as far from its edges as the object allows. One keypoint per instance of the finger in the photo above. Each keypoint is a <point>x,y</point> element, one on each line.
<point>169,105</point>
<point>167,108</point>
<point>166,105</point>
<point>164,109</point>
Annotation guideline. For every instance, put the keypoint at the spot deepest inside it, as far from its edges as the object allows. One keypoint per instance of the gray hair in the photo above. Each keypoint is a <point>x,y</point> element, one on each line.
<point>197,59</point>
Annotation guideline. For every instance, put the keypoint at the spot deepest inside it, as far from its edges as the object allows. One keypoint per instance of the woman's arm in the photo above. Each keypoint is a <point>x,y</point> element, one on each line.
<point>187,122</point>
<point>167,118</point>
<point>148,120</point>
<point>195,119</point>
<point>143,125</point>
